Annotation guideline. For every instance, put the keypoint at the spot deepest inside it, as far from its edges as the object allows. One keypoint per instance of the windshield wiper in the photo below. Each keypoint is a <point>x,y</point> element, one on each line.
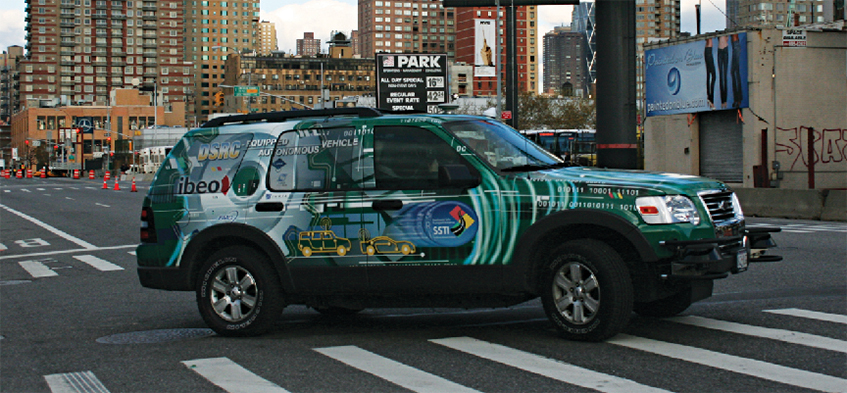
<point>534,167</point>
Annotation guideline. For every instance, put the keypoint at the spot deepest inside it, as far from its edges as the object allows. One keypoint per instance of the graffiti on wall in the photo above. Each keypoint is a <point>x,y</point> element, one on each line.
<point>830,148</point>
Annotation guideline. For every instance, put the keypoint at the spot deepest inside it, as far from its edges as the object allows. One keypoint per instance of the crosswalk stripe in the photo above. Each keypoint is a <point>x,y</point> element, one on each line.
<point>752,367</point>
<point>231,377</point>
<point>546,367</point>
<point>820,316</point>
<point>131,252</point>
<point>78,382</point>
<point>98,263</point>
<point>37,269</point>
<point>795,231</point>
<point>809,340</point>
<point>398,373</point>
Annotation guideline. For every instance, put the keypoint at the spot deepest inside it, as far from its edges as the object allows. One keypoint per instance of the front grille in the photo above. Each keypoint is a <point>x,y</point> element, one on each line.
<point>719,205</point>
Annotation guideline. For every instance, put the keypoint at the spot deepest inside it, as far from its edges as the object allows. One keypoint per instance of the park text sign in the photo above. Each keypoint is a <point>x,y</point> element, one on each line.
<point>411,82</point>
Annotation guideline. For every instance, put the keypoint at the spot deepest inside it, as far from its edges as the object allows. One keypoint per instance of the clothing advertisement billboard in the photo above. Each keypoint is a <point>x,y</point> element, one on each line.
<point>704,75</point>
<point>484,52</point>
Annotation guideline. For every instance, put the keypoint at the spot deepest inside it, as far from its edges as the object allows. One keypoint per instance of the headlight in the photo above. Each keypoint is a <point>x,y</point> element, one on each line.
<point>736,208</point>
<point>668,209</point>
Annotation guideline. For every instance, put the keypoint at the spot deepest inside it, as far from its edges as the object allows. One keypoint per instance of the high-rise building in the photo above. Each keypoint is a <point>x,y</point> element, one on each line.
<point>780,13</point>
<point>308,45</point>
<point>78,52</point>
<point>467,26</point>
<point>267,38</point>
<point>564,67</point>
<point>9,82</point>
<point>213,31</point>
<point>411,26</point>
<point>583,21</point>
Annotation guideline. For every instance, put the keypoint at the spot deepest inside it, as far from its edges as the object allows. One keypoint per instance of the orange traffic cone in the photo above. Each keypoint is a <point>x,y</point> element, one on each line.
<point>117,188</point>
<point>105,186</point>
<point>43,172</point>
<point>133,189</point>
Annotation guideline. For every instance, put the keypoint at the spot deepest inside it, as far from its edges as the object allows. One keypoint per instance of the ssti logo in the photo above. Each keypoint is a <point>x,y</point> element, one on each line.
<point>674,81</point>
<point>463,221</point>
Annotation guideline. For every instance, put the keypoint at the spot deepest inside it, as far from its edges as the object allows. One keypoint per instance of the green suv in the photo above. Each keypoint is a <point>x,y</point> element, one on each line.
<point>346,209</point>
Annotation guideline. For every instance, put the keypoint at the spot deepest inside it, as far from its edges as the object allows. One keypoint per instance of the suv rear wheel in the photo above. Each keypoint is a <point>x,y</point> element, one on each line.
<point>238,293</point>
<point>586,291</point>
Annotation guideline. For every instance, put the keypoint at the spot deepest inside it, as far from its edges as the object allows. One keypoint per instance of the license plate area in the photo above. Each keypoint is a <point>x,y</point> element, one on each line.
<point>741,260</point>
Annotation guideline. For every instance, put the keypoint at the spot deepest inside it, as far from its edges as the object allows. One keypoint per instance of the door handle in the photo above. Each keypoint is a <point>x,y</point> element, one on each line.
<point>269,207</point>
<point>388,204</point>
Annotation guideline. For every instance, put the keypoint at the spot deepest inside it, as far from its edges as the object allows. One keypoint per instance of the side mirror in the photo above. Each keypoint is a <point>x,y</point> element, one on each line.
<point>457,176</point>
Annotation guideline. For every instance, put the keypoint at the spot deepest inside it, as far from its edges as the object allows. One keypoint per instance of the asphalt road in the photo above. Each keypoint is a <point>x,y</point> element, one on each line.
<point>73,318</point>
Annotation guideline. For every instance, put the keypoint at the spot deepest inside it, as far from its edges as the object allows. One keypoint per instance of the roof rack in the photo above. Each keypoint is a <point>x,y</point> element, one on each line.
<point>275,117</point>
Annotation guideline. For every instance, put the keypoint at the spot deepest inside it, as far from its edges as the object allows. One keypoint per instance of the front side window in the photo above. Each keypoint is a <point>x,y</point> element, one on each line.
<point>501,146</point>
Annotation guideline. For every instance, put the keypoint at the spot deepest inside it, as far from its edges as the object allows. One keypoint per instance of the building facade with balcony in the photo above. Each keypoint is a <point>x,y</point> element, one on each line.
<point>79,52</point>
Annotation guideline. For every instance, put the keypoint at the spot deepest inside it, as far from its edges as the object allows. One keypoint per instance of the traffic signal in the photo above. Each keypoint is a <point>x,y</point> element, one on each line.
<point>27,142</point>
<point>219,98</point>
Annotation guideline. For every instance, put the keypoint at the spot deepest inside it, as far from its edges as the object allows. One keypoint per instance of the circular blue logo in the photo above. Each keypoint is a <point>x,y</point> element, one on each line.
<point>674,81</point>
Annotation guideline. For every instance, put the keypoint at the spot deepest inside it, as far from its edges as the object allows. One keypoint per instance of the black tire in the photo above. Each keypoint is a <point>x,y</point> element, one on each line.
<point>586,291</point>
<point>238,293</point>
<point>666,307</point>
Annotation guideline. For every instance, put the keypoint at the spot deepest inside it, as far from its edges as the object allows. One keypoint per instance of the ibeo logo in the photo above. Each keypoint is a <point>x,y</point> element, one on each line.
<point>186,186</point>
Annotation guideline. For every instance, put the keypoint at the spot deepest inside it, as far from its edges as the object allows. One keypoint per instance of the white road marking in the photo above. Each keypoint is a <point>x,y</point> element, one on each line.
<point>37,269</point>
<point>546,367</point>
<point>820,316</point>
<point>98,263</point>
<point>48,253</point>
<point>78,382</point>
<point>809,340</point>
<point>395,372</point>
<point>736,364</point>
<point>56,231</point>
<point>100,204</point>
<point>130,252</point>
<point>231,377</point>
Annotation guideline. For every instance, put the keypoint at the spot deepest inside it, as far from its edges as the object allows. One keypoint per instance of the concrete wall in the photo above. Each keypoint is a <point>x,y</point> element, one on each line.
<point>828,205</point>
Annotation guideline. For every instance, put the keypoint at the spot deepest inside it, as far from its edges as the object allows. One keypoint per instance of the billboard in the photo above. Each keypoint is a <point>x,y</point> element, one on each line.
<point>415,82</point>
<point>704,75</point>
<point>484,38</point>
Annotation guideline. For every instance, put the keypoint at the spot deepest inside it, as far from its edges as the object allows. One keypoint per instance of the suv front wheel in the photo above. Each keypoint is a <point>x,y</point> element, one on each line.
<point>586,291</point>
<point>238,293</point>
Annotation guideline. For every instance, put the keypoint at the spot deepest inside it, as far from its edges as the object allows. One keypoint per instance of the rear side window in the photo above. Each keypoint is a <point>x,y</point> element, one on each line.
<point>317,159</point>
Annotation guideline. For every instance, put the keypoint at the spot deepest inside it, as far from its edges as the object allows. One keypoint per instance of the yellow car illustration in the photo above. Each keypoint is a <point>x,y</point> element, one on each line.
<point>322,241</point>
<point>386,245</point>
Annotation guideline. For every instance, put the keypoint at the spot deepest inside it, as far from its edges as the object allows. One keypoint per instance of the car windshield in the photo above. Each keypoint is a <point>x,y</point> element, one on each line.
<point>502,147</point>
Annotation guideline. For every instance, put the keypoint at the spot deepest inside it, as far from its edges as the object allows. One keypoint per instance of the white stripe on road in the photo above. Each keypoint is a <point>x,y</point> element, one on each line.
<point>79,382</point>
<point>231,377</point>
<point>131,253</point>
<point>98,263</point>
<point>820,316</point>
<point>56,231</point>
<point>546,367</point>
<point>100,204</point>
<point>387,369</point>
<point>49,253</point>
<point>736,364</point>
<point>37,269</point>
<point>809,340</point>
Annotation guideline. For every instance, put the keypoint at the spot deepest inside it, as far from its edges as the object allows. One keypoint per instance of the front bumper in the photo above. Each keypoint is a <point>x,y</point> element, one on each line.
<point>709,259</point>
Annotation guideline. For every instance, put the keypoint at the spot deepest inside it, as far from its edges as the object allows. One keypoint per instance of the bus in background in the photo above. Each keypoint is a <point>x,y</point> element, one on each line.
<point>573,145</point>
<point>150,158</point>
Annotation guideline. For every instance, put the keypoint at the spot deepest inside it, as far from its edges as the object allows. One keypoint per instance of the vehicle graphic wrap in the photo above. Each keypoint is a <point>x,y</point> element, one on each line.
<point>199,185</point>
